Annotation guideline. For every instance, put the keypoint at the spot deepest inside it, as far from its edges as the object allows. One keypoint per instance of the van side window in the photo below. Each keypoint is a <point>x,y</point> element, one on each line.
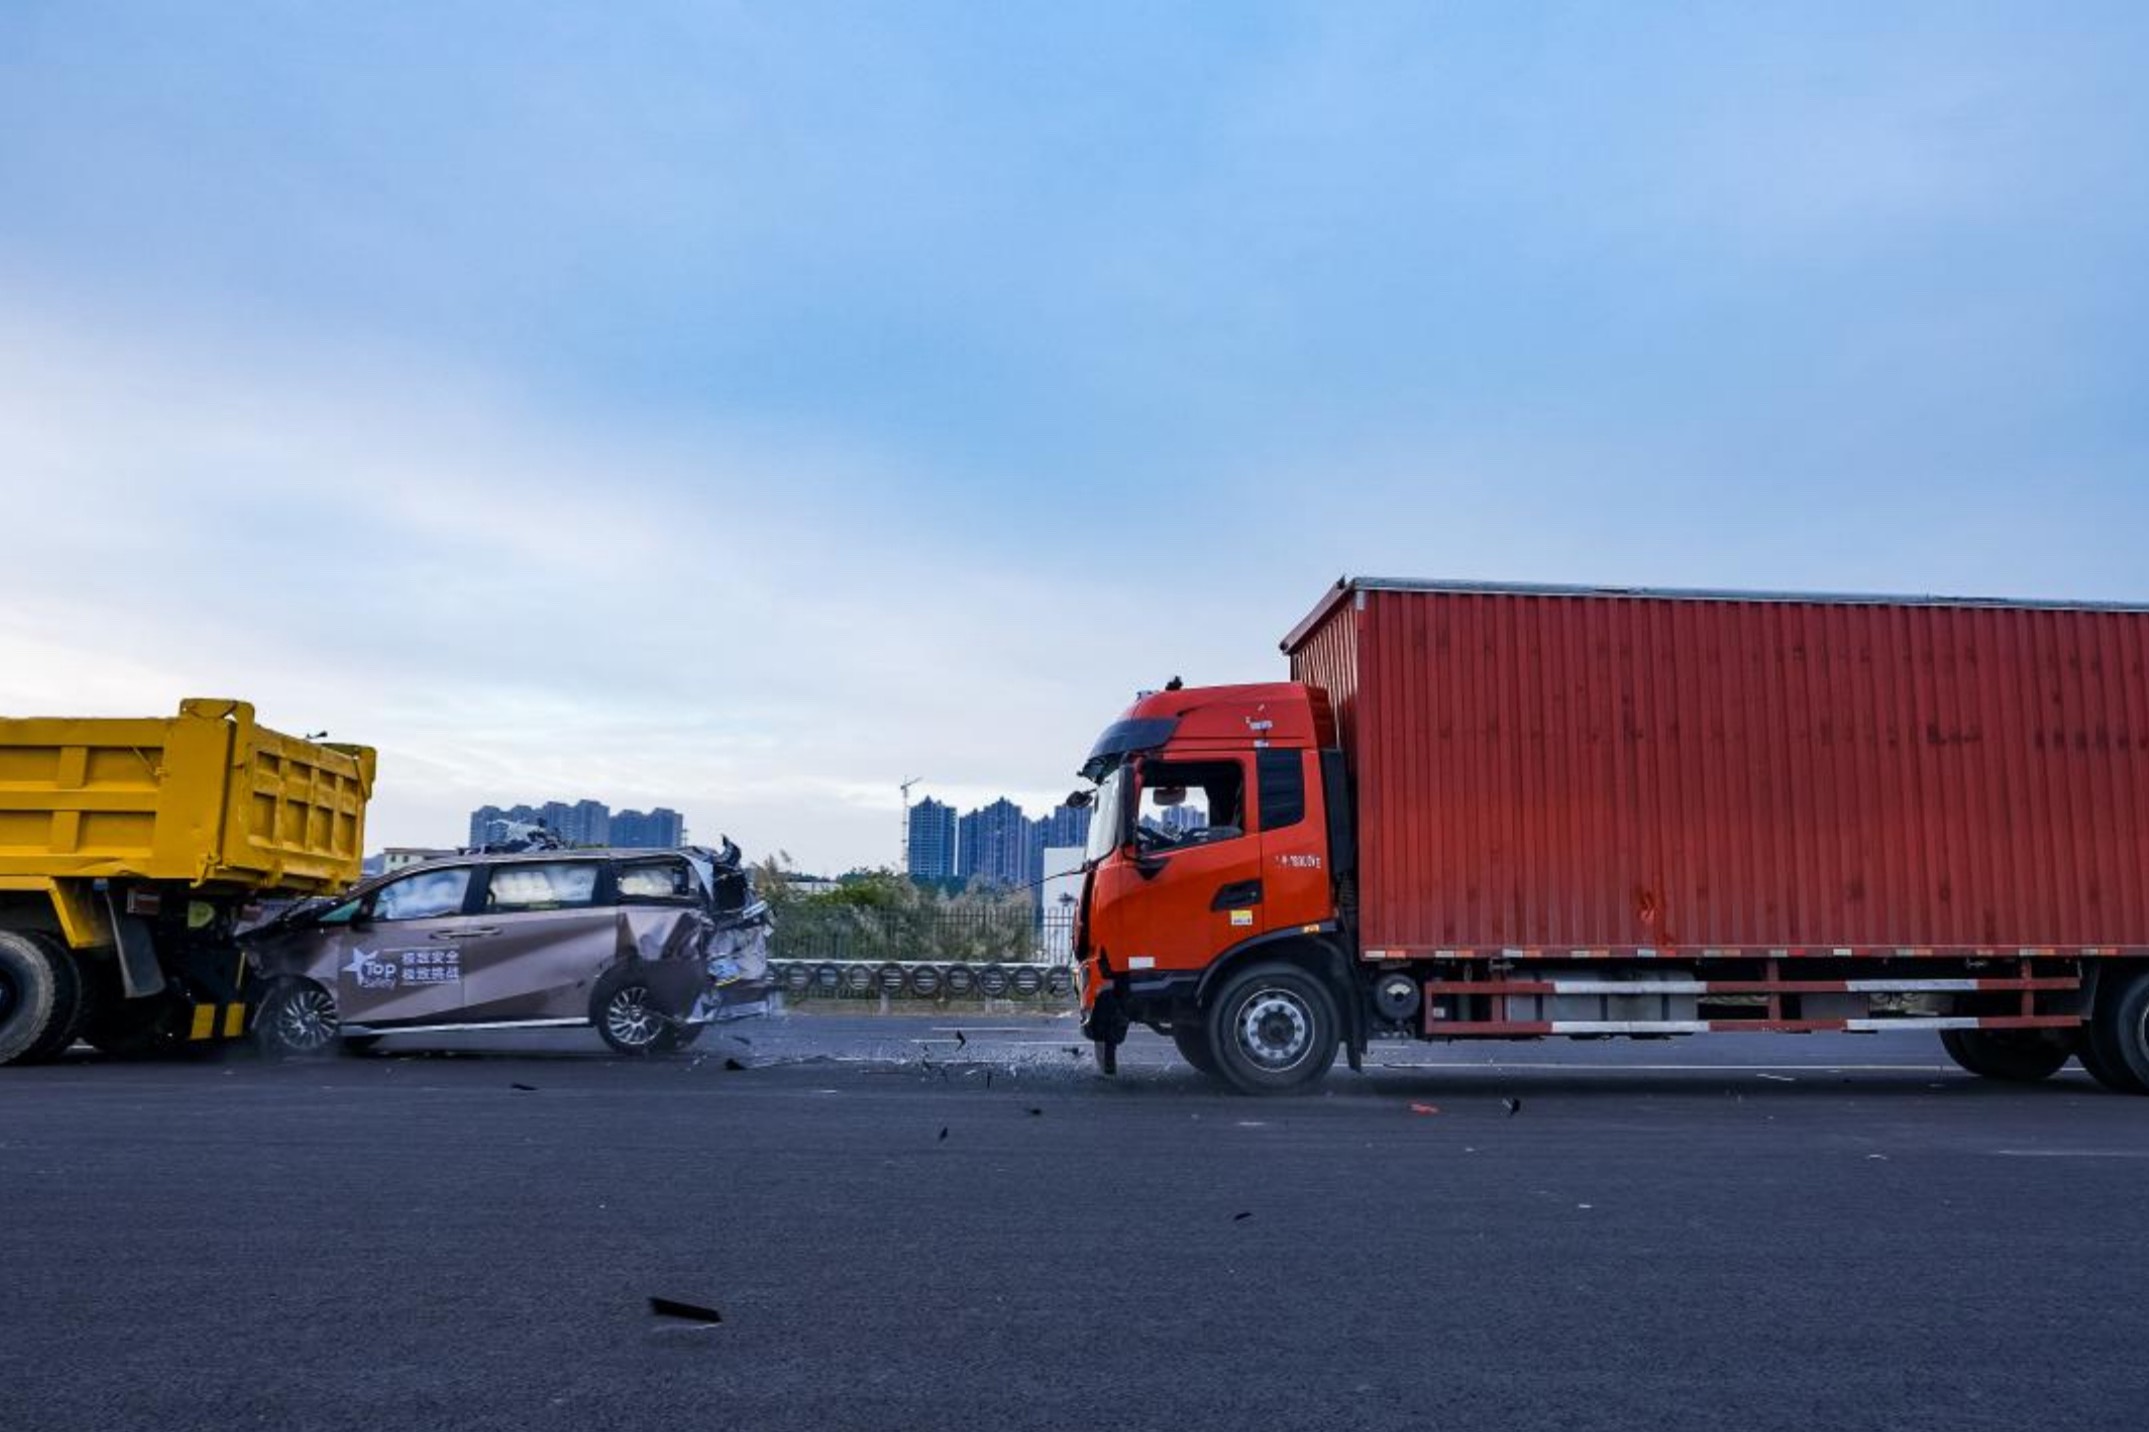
<point>1282,777</point>
<point>422,895</point>
<point>547,885</point>
<point>662,882</point>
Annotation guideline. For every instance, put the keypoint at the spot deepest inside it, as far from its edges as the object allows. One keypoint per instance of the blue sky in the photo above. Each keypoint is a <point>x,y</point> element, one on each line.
<point>751,406</point>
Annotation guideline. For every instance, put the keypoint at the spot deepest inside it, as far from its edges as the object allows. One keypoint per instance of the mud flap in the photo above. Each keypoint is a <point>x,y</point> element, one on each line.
<point>139,975</point>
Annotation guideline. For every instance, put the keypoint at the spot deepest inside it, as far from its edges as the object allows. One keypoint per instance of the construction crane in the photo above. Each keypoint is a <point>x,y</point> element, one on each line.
<point>905,786</point>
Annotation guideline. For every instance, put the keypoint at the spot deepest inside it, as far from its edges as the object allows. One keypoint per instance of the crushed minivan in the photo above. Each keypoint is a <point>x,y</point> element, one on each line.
<point>650,947</point>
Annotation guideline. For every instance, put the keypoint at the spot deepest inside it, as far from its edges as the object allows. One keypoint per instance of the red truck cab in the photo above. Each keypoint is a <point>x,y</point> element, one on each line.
<point>1210,907</point>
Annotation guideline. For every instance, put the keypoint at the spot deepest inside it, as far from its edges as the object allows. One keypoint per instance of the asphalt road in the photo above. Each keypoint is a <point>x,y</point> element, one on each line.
<point>1823,1233</point>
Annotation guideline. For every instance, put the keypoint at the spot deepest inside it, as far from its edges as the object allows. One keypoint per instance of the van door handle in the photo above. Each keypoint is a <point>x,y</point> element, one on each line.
<point>464,934</point>
<point>1238,895</point>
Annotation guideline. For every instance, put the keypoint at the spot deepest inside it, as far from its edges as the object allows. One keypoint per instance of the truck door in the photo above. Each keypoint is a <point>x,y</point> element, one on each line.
<point>1190,887</point>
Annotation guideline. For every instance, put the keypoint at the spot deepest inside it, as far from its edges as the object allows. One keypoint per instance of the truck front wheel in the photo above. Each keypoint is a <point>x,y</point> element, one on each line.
<point>2017,1056</point>
<point>41,997</point>
<point>1272,1029</point>
<point>1192,1038</point>
<point>2118,1035</point>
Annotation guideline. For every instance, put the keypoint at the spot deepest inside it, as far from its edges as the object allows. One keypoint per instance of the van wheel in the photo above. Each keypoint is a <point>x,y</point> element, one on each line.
<point>626,1012</point>
<point>1273,1029</point>
<point>297,1019</point>
<point>1192,1038</point>
<point>42,999</point>
<point>2017,1056</point>
<point>2118,1035</point>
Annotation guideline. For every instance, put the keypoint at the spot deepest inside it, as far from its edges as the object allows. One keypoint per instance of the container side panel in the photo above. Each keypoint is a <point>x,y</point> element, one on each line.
<point>1539,770</point>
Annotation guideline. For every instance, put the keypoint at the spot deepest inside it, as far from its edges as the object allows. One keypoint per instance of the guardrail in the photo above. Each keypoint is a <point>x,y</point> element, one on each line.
<point>922,979</point>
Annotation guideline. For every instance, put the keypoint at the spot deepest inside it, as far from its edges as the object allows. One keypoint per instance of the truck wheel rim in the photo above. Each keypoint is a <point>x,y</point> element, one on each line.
<point>629,1018</point>
<point>308,1020</point>
<point>1275,1029</point>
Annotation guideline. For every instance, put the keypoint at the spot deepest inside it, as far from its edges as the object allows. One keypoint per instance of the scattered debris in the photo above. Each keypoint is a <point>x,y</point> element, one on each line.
<point>690,1312</point>
<point>1240,1217</point>
<point>1882,1157</point>
<point>1424,1108</point>
<point>1036,1113</point>
<point>733,1066</point>
<point>1777,1078</point>
<point>988,1078</point>
<point>943,1132</point>
<point>1512,1105</point>
<point>523,1088</point>
<point>960,1041</point>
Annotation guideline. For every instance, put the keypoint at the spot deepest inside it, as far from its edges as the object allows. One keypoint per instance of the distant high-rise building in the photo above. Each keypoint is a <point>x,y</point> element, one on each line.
<point>1067,825</point>
<point>993,844</point>
<point>660,829</point>
<point>583,822</point>
<point>931,851</point>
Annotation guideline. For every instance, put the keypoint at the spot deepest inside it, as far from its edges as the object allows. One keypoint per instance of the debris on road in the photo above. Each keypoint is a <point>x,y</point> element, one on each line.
<point>1036,1113</point>
<point>523,1088</point>
<point>1777,1078</point>
<point>1512,1105</point>
<point>943,1132</point>
<point>1240,1217</point>
<point>1424,1108</point>
<point>733,1066</point>
<point>687,1312</point>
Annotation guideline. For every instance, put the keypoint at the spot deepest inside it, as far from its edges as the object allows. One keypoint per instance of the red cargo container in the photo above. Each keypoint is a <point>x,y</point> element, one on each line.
<point>1503,812</point>
<point>1673,772</point>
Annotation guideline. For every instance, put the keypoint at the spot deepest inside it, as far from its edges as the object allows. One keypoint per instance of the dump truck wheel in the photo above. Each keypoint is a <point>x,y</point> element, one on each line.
<point>2016,1056</point>
<point>297,1020</point>
<point>41,997</point>
<point>2118,1034</point>
<point>1193,1041</point>
<point>626,1012</point>
<point>1273,1029</point>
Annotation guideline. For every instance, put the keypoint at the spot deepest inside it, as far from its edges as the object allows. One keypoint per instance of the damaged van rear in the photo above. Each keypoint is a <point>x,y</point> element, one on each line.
<point>648,947</point>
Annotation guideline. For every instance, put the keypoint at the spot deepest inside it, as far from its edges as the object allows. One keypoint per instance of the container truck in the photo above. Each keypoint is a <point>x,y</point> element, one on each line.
<point>130,853</point>
<point>1501,812</point>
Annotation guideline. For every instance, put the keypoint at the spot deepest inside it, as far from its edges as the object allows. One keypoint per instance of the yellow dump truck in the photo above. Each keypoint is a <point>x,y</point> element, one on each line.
<point>130,853</point>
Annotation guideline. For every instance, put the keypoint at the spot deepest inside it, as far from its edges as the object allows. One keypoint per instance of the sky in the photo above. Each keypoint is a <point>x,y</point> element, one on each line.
<point>748,407</point>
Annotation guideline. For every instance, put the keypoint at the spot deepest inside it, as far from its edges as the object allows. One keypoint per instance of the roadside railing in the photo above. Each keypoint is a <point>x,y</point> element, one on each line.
<point>859,953</point>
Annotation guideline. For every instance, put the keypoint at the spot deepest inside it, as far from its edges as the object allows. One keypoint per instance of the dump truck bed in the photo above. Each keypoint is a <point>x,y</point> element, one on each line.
<point>209,797</point>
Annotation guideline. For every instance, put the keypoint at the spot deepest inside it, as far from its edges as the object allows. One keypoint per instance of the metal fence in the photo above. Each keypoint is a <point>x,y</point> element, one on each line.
<point>816,930</point>
<point>847,952</point>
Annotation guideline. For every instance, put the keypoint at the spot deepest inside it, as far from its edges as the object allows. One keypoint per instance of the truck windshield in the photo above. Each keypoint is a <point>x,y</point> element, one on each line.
<point>1108,817</point>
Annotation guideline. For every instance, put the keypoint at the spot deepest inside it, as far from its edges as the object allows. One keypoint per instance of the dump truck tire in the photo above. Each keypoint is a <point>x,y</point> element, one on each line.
<point>2014,1056</point>
<point>42,997</point>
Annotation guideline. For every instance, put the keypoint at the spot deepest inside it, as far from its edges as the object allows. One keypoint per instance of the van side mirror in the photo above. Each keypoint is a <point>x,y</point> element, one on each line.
<point>1080,800</point>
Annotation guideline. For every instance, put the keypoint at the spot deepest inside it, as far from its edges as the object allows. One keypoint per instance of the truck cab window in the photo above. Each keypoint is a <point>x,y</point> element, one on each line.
<point>1190,803</point>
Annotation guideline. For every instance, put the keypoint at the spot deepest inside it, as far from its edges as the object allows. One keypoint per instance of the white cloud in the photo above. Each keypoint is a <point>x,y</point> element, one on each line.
<point>513,606</point>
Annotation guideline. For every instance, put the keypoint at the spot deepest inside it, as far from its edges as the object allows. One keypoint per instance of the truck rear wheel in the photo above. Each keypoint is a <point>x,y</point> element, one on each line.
<point>2118,1035</point>
<point>1273,1029</point>
<point>42,997</point>
<point>2017,1056</point>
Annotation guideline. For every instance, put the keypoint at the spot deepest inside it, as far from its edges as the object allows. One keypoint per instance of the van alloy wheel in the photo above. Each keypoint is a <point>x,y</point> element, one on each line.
<point>631,1019</point>
<point>297,1018</point>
